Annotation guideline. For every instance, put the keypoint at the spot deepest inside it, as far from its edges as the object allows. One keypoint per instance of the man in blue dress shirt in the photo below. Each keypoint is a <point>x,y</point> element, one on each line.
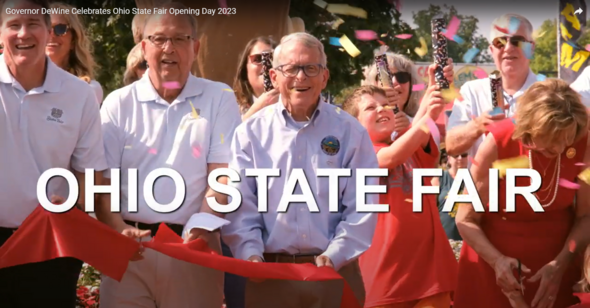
<point>301,132</point>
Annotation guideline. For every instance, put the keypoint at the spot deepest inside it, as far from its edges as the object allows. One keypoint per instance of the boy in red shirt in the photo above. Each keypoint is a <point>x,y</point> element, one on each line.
<point>410,262</point>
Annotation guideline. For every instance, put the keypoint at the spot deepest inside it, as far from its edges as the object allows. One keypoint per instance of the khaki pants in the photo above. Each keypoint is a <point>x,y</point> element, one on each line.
<point>159,281</point>
<point>308,294</point>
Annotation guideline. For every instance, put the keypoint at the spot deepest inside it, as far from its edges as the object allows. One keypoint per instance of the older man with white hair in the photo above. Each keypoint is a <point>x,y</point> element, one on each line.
<point>467,124</point>
<point>301,133</point>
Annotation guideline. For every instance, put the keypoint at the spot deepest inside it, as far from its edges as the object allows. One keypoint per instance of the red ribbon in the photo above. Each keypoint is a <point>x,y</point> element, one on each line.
<point>584,299</point>
<point>44,236</point>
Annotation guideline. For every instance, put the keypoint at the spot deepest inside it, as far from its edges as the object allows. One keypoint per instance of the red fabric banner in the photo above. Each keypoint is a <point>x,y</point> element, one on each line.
<point>584,300</point>
<point>44,236</point>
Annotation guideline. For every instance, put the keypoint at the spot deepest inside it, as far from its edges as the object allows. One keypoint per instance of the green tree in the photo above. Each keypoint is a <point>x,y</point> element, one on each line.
<point>467,31</point>
<point>382,17</point>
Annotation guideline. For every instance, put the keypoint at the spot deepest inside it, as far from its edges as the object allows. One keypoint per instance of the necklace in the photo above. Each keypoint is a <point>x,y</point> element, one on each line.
<point>556,182</point>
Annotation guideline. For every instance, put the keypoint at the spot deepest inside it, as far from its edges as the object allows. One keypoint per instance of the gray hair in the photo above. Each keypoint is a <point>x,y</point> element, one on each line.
<point>177,6</point>
<point>307,39</point>
<point>399,63</point>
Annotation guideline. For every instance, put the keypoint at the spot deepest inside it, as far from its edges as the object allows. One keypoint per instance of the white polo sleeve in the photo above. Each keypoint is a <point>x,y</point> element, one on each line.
<point>112,132</point>
<point>89,151</point>
<point>222,129</point>
<point>462,110</point>
<point>582,86</point>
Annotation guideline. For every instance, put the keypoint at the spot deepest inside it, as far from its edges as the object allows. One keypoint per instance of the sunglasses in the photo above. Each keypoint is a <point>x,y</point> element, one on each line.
<point>60,29</point>
<point>400,77</point>
<point>516,41</point>
<point>462,155</point>
<point>142,65</point>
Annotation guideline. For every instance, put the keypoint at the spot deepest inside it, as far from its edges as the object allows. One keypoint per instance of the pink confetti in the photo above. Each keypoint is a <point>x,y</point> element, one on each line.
<point>153,151</point>
<point>480,73</point>
<point>580,164</point>
<point>472,161</point>
<point>572,246</point>
<point>196,152</point>
<point>588,47</point>
<point>567,184</point>
<point>172,85</point>
<point>403,36</point>
<point>418,87</point>
<point>365,35</point>
<point>452,27</point>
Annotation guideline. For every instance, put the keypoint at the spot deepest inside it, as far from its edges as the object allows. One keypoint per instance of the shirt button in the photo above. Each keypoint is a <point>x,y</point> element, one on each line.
<point>304,236</point>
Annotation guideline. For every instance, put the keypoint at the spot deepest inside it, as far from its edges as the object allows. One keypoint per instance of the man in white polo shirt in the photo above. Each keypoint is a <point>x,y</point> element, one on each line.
<point>167,119</point>
<point>48,119</point>
<point>582,86</point>
<point>467,124</point>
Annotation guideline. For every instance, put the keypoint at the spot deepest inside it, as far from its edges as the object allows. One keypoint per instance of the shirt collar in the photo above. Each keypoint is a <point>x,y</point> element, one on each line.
<point>530,79</point>
<point>52,81</point>
<point>286,116</point>
<point>147,93</point>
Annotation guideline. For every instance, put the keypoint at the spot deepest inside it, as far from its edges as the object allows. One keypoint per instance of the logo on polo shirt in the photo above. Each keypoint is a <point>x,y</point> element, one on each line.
<point>55,115</point>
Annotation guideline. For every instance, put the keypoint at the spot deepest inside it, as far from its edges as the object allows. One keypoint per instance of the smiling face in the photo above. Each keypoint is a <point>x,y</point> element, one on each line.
<point>59,46</point>
<point>254,67</point>
<point>378,121</point>
<point>508,49</point>
<point>24,36</point>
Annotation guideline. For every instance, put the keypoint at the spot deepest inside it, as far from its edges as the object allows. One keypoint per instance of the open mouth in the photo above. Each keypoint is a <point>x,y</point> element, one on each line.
<point>383,120</point>
<point>52,44</point>
<point>300,89</point>
<point>24,47</point>
<point>168,62</point>
<point>509,58</point>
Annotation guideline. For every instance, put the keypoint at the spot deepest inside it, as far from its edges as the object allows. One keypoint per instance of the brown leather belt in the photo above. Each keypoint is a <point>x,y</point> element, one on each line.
<point>284,258</point>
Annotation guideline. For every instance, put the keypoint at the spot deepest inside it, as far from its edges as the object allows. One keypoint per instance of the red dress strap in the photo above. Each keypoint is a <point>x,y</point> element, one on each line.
<point>502,132</point>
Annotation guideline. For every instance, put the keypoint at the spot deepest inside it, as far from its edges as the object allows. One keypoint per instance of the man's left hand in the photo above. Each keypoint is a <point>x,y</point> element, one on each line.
<point>550,277</point>
<point>195,234</point>
<point>323,261</point>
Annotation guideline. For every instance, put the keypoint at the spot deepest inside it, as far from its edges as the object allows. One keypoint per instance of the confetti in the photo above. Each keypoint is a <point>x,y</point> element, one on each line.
<point>588,47</point>
<point>345,9</point>
<point>514,25</point>
<point>127,147</point>
<point>341,49</point>
<point>423,49</point>
<point>519,162</point>
<point>337,23</point>
<point>320,3</point>
<point>457,39</point>
<point>194,112</point>
<point>172,85</point>
<point>452,27</point>
<point>480,73</point>
<point>418,87</point>
<point>537,34</point>
<point>541,77</point>
<point>450,94</point>
<point>470,54</point>
<point>425,129</point>
<point>567,184</point>
<point>153,151</point>
<point>353,72</point>
<point>221,138</point>
<point>382,43</point>
<point>365,35</point>
<point>503,30</point>
<point>384,34</point>
<point>409,200</point>
<point>349,46</point>
<point>572,246</point>
<point>580,164</point>
<point>527,47</point>
<point>585,176</point>
<point>228,90</point>
<point>338,110</point>
<point>334,41</point>
<point>404,36</point>
<point>472,161</point>
<point>196,152</point>
<point>496,111</point>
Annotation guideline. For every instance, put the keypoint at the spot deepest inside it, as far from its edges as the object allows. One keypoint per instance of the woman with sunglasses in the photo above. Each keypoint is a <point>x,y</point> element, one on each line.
<point>249,82</point>
<point>454,162</point>
<point>70,48</point>
<point>136,66</point>
<point>524,258</point>
<point>402,95</point>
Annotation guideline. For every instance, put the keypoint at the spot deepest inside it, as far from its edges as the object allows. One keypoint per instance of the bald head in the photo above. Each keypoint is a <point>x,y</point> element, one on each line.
<point>171,11</point>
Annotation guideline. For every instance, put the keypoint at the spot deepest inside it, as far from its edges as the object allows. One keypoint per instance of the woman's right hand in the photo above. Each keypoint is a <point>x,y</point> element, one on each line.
<point>505,279</point>
<point>267,98</point>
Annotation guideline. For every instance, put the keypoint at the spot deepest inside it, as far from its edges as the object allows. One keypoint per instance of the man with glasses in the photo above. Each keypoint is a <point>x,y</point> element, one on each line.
<point>301,134</point>
<point>467,124</point>
<point>167,119</point>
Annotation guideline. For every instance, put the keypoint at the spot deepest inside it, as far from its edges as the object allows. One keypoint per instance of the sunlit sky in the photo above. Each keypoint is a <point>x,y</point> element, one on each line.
<point>488,10</point>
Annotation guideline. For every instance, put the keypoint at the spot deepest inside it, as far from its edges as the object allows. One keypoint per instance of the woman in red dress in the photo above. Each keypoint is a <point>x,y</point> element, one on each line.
<point>550,130</point>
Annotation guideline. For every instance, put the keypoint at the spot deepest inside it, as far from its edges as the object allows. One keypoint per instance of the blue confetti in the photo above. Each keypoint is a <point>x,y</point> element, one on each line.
<point>470,54</point>
<point>514,25</point>
<point>541,77</point>
<point>334,41</point>
<point>514,121</point>
<point>497,111</point>
<point>528,49</point>
<point>458,39</point>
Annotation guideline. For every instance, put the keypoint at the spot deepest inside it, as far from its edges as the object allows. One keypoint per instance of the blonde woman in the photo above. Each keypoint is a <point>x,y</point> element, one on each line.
<point>70,48</point>
<point>136,66</point>
<point>402,95</point>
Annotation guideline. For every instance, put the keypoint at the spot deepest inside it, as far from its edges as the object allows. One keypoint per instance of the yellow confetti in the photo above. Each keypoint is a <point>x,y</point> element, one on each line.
<point>127,147</point>
<point>519,162</point>
<point>320,3</point>
<point>337,23</point>
<point>384,34</point>
<point>221,138</point>
<point>341,49</point>
<point>345,9</point>
<point>585,176</point>
<point>425,128</point>
<point>537,34</point>
<point>194,111</point>
<point>228,90</point>
<point>450,94</point>
<point>409,200</point>
<point>338,110</point>
<point>423,50</point>
<point>349,46</point>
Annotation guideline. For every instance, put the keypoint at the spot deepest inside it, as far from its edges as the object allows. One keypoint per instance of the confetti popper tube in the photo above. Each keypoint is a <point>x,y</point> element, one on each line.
<point>441,56</point>
<point>496,87</point>
<point>384,74</point>
<point>266,65</point>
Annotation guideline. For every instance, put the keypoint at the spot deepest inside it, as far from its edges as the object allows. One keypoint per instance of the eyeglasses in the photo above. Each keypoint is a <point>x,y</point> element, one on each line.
<point>400,77</point>
<point>500,42</point>
<point>60,29</point>
<point>142,65</point>
<point>177,41</point>
<point>290,70</point>
<point>256,58</point>
<point>462,155</point>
